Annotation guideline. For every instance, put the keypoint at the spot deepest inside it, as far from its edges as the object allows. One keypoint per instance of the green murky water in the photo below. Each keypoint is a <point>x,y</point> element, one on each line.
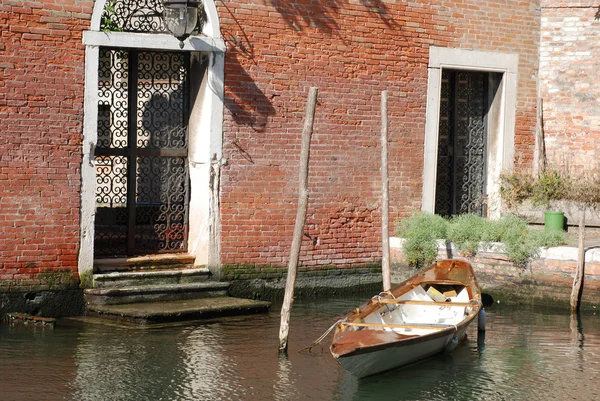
<point>526,354</point>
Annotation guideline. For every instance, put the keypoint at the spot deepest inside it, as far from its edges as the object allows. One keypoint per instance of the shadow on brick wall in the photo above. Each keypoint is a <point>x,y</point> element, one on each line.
<point>246,102</point>
<point>322,14</point>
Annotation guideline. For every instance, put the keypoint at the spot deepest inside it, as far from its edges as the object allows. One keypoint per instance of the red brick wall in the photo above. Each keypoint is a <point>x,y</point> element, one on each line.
<point>351,51</point>
<point>570,81</point>
<point>276,50</point>
<point>41,113</point>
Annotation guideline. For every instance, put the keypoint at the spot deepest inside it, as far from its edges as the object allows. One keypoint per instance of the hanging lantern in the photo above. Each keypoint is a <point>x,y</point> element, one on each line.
<point>180,17</point>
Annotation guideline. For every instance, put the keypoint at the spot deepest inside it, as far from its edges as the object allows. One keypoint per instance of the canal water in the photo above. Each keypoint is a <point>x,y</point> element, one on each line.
<point>526,354</point>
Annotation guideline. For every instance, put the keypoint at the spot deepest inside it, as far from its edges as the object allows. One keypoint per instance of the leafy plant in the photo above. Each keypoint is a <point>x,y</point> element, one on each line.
<point>108,20</point>
<point>550,185</point>
<point>468,232</point>
<point>497,229</point>
<point>421,231</point>
<point>515,188</point>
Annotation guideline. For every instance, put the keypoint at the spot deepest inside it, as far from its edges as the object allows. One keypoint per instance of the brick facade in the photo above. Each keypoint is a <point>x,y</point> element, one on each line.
<point>41,102</point>
<point>276,50</point>
<point>570,82</point>
<point>351,52</point>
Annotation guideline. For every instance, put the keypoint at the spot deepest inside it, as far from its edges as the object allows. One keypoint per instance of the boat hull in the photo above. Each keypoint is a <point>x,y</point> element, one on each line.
<point>395,355</point>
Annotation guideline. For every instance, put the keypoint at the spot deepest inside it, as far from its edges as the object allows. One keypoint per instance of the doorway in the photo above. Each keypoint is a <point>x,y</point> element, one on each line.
<point>462,149</point>
<point>501,70</point>
<point>142,178</point>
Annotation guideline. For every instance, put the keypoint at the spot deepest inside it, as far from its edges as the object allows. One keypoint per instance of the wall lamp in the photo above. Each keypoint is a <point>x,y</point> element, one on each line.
<point>180,17</point>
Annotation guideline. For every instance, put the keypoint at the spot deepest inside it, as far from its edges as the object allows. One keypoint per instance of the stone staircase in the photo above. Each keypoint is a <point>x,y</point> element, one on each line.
<point>161,289</point>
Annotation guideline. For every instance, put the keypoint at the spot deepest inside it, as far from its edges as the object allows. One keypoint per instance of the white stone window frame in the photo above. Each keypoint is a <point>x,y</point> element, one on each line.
<point>205,130</point>
<point>500,156</point>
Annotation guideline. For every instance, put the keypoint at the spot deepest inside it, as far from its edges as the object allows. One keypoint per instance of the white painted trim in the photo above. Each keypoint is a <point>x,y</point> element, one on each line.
<point>206,147</point>
<point>153,41</point>
<point>441,57</point>
<point>432,115</point>
<point>88,170</point>
<point>97,14</point>
<point>212,26</point>
<point>472,60</point>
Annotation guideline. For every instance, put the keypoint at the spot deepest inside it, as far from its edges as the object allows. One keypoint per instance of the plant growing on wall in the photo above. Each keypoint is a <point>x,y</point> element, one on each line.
<point>469,233</point>
<point>466,231</point>
<point>550,185</point>
<point>557,184</point>
<point>420,231</point>
<point>108,20</point>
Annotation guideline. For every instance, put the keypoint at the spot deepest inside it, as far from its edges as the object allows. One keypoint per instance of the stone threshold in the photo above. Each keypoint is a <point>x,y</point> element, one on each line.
<point>149,262</point>
<point>151,313</point>
<point>153,273</point>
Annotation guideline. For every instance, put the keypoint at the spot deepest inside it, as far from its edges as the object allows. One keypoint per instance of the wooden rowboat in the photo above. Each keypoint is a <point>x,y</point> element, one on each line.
<point>424,315</point>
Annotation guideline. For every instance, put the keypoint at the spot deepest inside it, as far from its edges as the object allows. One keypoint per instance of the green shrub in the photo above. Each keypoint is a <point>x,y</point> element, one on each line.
<point>515,187</point>
<point>518,245</point>
<point>423,221</point>
<point>548,239</point>
<point>550,185</point>
<point>420,249</point>
<point>497,229</point>
<point>421,231</point>
<point>466,232</point>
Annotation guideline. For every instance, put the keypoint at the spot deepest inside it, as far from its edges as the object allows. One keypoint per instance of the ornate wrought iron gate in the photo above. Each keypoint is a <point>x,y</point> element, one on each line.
<point>142,180</point>
<point>461,162</point>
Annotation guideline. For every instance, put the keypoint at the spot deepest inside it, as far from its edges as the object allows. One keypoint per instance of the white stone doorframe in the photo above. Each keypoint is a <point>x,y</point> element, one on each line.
<point>501,135</point>
<point>205,131</point>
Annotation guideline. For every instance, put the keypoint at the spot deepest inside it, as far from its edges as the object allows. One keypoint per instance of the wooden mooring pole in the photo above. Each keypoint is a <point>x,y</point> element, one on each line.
<point>385,210</point>
<point>577,288</point>
<point>290,283</point>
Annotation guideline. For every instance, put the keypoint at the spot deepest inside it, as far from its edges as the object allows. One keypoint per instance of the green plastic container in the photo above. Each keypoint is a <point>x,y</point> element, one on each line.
<point>554,221</point>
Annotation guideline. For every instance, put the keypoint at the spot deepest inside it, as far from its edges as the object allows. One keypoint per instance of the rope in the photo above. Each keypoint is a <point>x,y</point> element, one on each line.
<point>318,340</point>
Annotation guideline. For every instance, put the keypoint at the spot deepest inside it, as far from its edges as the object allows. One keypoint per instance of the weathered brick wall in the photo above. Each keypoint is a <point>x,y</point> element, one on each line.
<point>41,116</point>
<point>570,81</point>
<point>351,51</point>
<point>276,50</point>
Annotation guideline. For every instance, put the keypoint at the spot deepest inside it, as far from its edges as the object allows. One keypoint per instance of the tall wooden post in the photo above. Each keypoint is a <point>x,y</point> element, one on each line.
<point>385,210</point>
<point>540,144</point>
<point>577,288</point>
<point>290,283</point>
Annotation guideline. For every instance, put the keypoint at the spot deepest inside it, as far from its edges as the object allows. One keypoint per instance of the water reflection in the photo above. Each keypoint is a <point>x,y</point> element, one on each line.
<point>524,354</point>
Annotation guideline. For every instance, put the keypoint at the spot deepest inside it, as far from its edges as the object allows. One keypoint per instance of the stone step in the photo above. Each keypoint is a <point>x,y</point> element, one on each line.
<point>169,261</point>
<point>154,293</point>
<point>157,277</point>
<point>177,311</point>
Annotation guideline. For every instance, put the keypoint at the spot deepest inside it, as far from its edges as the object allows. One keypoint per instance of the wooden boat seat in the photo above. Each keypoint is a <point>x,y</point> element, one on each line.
<point>415,302</point>
<point>401,326</point>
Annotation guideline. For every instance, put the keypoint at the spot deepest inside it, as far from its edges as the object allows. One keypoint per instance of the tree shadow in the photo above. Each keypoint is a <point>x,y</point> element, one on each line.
<point>246,102</point>
<point>598,13</point>
<point>243,46</point>
<point>322,14</point>
<point>317,14</point>
<point>380,8</point>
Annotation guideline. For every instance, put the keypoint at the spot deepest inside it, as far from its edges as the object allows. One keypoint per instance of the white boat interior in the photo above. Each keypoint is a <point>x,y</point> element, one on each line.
<point>427,308</point>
